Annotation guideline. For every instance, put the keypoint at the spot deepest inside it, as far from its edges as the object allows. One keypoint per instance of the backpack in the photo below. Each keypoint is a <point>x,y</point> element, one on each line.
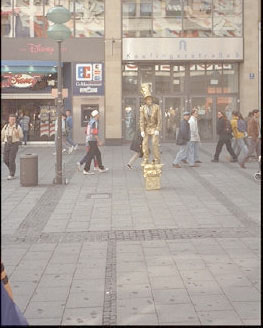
<point>241,125</point>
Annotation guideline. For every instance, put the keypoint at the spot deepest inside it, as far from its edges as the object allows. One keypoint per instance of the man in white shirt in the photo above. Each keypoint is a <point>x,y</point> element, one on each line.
<point>11,135</point>
<point>193,150</point>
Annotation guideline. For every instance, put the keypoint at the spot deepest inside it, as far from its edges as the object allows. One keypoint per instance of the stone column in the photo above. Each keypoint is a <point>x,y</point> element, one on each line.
<point>113,72</point>
<point>249,95</point>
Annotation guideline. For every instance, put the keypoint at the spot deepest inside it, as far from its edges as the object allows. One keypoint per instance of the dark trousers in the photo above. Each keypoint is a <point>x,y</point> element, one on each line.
<point>93,152</point>
<point>253,145</point>
<point>10,151</point>
<point>221,142</point>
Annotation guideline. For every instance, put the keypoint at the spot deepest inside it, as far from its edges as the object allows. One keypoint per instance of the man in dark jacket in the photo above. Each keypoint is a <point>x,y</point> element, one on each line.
<point>182,139</point>
<point>224,130</point>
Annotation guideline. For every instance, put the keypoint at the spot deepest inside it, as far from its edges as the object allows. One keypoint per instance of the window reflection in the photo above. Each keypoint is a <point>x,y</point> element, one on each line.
<point>162,79</point>
<point>228,18</point>
<point>130,79</point>
<point>178,78</point>
<point>197,18</point>
<point>6,19</point>
<point>89,18</point>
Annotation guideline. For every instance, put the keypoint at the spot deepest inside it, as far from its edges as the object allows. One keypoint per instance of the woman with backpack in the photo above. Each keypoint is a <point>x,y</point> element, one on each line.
<point>224,130</point>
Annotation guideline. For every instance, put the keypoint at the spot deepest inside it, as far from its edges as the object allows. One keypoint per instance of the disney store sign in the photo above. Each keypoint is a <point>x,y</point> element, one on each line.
<point>19,80</point>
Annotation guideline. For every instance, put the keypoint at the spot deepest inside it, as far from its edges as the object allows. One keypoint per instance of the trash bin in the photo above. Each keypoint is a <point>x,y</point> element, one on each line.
<point>29,170</point>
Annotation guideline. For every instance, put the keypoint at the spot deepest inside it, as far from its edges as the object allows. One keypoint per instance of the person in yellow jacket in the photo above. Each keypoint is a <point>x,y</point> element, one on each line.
<point>150,125</point>
<point>239,133</point>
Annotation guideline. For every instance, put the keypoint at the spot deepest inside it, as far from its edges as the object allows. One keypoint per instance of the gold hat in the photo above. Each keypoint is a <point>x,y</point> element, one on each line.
<point>146,90</point>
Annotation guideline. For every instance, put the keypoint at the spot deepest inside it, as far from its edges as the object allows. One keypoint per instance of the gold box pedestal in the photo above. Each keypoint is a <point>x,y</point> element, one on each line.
<point>152,174</point>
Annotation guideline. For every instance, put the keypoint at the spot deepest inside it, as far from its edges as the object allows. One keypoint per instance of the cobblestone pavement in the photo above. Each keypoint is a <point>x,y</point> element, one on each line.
<point>104,251</point>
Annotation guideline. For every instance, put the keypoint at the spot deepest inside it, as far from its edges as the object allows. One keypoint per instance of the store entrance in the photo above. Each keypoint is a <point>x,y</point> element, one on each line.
<point>42,114</point>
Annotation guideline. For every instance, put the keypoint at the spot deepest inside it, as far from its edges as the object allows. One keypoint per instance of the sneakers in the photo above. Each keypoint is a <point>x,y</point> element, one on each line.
<point>215,160</point>
<point>129,166</point>
<point>88,172</point>
<point>242,165</point>
<point>105,169</point>
<point>177,166</point>
<point>64,150</point>
<point>96,168</point>
<point>10,177</point>
<point>71,149</point>
<point>79,166</point>
<point>76,147</point>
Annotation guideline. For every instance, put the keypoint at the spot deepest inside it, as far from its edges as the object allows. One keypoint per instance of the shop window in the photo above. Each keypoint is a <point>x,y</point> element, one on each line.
<point>198,82</point>
<point>197,18</point>
<point>146,9</point>
<point>130,116</point>
<point>6,19</point>
<point>129,9</point>
<point>162,79</point>
<point>178,78</point>
<point>230,78</point>
<point>89,18</point>
<point>227,20</point>
<point>214,78</point>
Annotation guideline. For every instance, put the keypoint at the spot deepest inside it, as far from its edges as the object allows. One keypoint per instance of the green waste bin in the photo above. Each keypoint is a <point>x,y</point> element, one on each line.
<point>29,170</point>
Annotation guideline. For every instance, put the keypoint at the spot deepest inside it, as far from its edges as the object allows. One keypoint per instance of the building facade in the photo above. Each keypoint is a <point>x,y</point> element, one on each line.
<point>193,53</point>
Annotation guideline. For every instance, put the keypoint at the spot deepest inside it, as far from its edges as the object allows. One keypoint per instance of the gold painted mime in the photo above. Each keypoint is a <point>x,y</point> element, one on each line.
<point>150,125</point>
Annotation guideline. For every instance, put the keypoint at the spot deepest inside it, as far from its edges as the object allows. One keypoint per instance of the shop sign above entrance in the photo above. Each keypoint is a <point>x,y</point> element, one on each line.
<point>183,49</point>
<point>19,80</point>
<point>88,79</point>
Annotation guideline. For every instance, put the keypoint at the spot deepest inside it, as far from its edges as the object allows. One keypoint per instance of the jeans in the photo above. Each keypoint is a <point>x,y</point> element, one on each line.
<point>193,152</point>
<point>69,138</point>
<point>240,148</point>
<point>182,153</point>
<point>25,133</point>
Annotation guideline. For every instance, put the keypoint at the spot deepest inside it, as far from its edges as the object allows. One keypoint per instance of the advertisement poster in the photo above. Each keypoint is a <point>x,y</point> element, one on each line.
<point>88,79</point>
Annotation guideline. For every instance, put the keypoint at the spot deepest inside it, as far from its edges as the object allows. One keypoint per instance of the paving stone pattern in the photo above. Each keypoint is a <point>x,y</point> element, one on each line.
<point>103,251</point>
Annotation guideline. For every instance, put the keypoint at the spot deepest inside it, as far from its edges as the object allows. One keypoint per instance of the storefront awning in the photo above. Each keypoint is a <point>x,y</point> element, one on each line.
<point>24,66</point>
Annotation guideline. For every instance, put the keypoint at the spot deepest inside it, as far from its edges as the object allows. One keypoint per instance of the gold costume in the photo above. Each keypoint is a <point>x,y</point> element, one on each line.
<point>150,123</point>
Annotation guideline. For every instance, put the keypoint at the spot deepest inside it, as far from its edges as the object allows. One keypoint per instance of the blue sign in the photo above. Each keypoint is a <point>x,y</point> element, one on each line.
<point>88,79</point>
<point>251,76</point>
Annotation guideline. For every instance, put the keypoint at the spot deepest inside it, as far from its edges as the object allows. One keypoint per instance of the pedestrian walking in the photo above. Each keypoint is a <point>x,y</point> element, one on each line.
<point>11,135</point>
<point>254,137</point>
<point>238,144</point>
<point>183,138</point>
<point>224,130</point>
<point>65,148</point>
<point>25,124</point>
<point>84,159</point>
<point>193,147</point>
<point>69,131</point>
<point>136,146</point>
<point>94,141</point>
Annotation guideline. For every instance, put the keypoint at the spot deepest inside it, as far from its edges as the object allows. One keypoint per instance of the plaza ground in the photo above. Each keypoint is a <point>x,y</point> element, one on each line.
<point>102,250</point>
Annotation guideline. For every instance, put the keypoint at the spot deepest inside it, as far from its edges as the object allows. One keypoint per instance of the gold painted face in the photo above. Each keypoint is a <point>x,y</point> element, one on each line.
<point>148,101</point>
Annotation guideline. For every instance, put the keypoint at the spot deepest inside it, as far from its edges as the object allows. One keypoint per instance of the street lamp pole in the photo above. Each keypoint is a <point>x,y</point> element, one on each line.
<point>59,32</point>
<point>58,178</point>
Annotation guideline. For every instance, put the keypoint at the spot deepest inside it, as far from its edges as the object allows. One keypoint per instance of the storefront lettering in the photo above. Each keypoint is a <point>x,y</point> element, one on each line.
<point>38,48</point>
<point>19,81</point>
<point>88,90</point>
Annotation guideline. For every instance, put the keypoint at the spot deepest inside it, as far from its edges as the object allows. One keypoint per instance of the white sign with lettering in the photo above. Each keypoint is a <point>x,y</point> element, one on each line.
<point>183,49</point>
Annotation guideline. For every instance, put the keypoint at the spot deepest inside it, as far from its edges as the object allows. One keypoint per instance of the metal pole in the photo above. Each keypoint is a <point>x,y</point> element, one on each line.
<point>59,121</point>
